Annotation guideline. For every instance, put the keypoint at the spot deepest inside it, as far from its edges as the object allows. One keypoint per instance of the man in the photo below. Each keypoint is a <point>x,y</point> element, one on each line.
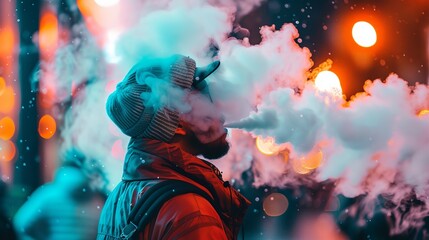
<point>165,141</point>
<point>69,206</point>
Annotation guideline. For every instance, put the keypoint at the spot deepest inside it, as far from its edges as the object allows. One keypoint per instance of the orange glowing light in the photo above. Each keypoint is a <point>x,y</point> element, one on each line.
<point>327,81</point>
<point>2,85</point>
<point>7,100</point>
<point>7,41</point>
<point>48,32</point>
<point>312,160</point>
<point>106,3</point>
<point>267,145</point>
<point>7,128</point>
<point>275,204</point>
<point>100,16</point>
<point>285,155</point>
<point>7,150</point>
<point>364,34</point>
<point>47,126</point>
<point>84,7</point>
<point>297,166</point>
<point>423,112</point>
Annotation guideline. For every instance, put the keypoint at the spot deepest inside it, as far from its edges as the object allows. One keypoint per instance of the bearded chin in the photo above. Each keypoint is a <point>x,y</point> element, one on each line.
<point>215,150</point>
<point>212,150</point>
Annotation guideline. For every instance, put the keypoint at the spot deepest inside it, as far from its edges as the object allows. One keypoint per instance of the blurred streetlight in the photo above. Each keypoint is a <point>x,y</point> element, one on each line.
<point>267,145</point>
<point>364,34</point>
<point>275,204</point>
<point>327,81</point>
<point>47,126</point>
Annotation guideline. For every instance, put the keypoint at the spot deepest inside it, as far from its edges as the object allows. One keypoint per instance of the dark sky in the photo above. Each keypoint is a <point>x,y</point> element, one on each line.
<point>325,28</point>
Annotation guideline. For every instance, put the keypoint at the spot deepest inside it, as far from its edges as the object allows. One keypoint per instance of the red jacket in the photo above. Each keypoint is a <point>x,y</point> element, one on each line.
<point>187,216</point>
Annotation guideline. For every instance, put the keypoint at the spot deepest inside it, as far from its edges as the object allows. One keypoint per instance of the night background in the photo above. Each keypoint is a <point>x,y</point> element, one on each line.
<point>44,86</point>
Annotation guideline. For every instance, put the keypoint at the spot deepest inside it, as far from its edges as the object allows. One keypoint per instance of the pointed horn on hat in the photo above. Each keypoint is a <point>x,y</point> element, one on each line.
<point>202,72</point>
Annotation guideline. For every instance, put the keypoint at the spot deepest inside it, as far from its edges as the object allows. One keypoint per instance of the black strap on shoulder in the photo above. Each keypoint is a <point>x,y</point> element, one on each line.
<point>152,200</point>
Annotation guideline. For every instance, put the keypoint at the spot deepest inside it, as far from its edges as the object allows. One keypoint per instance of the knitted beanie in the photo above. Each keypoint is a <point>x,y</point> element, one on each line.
<point>126,107</point>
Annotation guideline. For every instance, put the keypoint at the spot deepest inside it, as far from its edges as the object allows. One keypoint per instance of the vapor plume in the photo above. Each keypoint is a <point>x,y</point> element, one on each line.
<point>373,145</point>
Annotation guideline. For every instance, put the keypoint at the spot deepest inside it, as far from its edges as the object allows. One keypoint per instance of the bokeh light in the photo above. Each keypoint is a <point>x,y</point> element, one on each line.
<point>7,100</point>
<point>267,145</point>
<point>106,3</point>
<point>423,112</point>
<point>7,150</point>
<point>7,128</point>
<point>118,151</point>
<point>48,32</point>
<point>297,166</point>
<point>275,204</point>
<point>312,160</point>
<point>364,34</point>
<point>7,40</point>
<point>101,18</point>
<point>110,86</point>
<point>47,126</point>
<point>327,81</point>
<point>2,85</point>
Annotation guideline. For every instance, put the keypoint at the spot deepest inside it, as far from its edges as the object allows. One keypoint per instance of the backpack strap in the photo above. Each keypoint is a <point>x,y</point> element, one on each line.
<point>152,200</point>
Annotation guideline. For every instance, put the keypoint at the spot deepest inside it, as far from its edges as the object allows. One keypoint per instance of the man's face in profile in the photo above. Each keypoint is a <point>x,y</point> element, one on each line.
<point>211,150</point>
<point>204,128</point>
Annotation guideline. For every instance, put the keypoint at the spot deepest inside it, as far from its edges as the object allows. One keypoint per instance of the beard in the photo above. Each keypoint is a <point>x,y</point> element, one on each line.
<point>212,150</point>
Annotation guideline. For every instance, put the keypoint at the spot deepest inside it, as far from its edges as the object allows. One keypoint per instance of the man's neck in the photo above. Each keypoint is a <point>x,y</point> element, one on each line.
<point>182,141</point>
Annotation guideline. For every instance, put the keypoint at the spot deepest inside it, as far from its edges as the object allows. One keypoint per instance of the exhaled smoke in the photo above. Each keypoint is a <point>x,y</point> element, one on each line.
<point>373,145</point>
<point>266,119</point>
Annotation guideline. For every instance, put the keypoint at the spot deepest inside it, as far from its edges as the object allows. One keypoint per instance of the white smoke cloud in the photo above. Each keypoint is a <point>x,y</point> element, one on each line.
<point>380,123</point>
<point>374,144</point>
<point>87,127</point>
<point>152,29</point>
<point>248,73</point>
<point>186,27</point>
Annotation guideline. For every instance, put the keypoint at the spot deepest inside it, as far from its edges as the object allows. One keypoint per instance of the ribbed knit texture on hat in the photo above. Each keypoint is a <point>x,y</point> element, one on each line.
<point>127,109</point>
